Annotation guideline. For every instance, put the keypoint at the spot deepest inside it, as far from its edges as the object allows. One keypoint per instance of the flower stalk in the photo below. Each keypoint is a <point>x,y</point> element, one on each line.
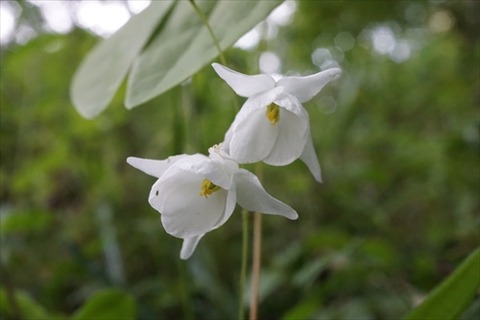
<point>210,31</point>
<point>243,266</point>
<point>256,255</point>
<point>256,264</point>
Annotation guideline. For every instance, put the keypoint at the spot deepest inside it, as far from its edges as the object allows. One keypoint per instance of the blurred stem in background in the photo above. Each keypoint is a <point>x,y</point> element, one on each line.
<point>256,264</point>
<point>110,245</point>
<point>243,267</point>
<point>257,253</point>
<point>10,292</point>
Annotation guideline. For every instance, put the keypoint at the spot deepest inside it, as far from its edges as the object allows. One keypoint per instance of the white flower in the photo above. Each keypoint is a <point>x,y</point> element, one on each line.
<point>196,194</point>
<point>272,126</point>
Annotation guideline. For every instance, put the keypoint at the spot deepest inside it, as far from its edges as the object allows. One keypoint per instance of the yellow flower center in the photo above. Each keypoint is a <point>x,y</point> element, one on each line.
<point>207,188</point>
<point>273,113</point>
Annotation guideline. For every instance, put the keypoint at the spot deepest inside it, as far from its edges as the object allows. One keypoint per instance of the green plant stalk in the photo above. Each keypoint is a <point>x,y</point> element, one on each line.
<point>256,255</point>
<point>209,28</point>
<point>256,264</point>
<point>243,267</point>
<point>215,41</point>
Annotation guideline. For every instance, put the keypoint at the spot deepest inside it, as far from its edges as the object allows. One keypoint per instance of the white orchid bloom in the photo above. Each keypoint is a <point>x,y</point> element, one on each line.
<point>196,194</point>
<point>272,126</point>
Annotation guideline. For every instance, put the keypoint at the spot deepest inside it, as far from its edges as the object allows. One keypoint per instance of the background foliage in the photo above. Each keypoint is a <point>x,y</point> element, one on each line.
<point>398,139</point>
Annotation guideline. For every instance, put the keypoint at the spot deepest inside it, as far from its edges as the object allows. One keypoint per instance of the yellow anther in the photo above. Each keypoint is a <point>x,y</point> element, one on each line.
<point>273,113</point>
<point>207,188</point>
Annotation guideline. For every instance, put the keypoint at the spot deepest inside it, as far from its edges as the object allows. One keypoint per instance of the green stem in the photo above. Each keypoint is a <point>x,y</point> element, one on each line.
<point>209,28</point>
<point>257,254</point>
<point>215,41</point>
<point>256,264</point>
<point>243,267</point>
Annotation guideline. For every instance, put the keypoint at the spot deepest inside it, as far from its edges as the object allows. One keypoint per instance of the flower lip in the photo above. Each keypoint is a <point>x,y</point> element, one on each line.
<point>260,134</point>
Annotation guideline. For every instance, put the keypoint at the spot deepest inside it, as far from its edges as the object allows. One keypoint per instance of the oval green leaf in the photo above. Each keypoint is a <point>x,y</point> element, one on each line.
<point>453,295</point>
<point>27,307</point>
<point>184,45</point>
<point>107,304</point>
<point>101,73</point>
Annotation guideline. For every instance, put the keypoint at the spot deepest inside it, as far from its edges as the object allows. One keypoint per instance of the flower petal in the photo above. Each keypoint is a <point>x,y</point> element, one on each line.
<point>292,104</point>
<point>153,167</point>
<point>259,102</point>
<point>214,170</point>
<point>252,196</point>
<point>189,245</point>
<point>184,212</point>
<point>194,216</point>
<point>244,85</point>
<point>173,179</point>
<point>253,138</point>
<point>305,88</point>
<point>292,131</point>
<point>229,208</point>
<point>225,146</point>
<point>310,158</point>
<point>290,140</point>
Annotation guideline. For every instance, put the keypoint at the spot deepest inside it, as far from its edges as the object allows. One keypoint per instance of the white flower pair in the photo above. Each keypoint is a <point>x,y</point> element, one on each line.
<point>196,194</point>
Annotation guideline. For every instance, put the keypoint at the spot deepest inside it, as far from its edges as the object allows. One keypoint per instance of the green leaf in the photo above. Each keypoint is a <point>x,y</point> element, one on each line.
<point>184,45</point>
<point>107,304</point>
<point>454,294</point>
<point>103,70</point>
<point>27,307</point>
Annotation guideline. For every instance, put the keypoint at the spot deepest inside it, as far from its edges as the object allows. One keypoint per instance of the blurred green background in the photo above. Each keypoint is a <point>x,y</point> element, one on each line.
<point>398,138</point>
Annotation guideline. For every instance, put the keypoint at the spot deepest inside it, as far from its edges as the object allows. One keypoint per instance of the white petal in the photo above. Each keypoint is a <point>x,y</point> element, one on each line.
<point>252,196</point>
<point>186,217</point>
<point>173,179</point>
<point>189,245</point>
<point>229,208</point>
<point>258,102</point>
<point>310,158</point>
<point>253,138</point>
<point>153,167</point>
<point>305,88</point>
<point>226,142</point>
<point>244,85</point>
<point>184,212</point>
<point>292,104</point>
<point>224,163</point>
<point>208,168</point>
<point>290,140</point>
